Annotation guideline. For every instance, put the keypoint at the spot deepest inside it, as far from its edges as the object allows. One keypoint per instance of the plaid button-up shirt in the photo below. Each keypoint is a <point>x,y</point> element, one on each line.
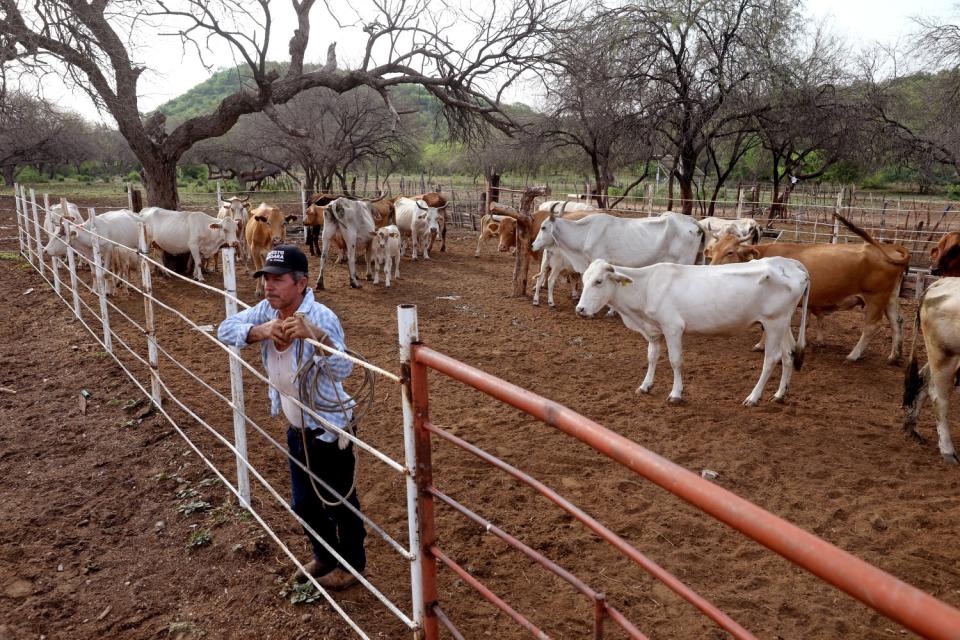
<point>233,331</point>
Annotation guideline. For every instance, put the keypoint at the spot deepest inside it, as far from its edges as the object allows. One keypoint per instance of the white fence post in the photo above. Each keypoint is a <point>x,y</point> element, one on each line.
<point>650,190</point>
<point>21,224</point>
<point>303,210</point>
<point>740,196</point>
<point>54,261</point>
<point>101,281</point>
<point>72,265</point>
<point>410,333</point>
<point>219,196</point>
<point>129,196</point>
<point>236,380</point>
<point>146,282</point>
<point>34,248</point>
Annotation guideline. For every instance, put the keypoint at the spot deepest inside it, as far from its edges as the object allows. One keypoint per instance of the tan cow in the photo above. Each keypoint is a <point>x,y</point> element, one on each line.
<point>842,276</point>
<point>945,257</point>
<point>939,316</point>
<point>490,228</point>
<point>266,229</point>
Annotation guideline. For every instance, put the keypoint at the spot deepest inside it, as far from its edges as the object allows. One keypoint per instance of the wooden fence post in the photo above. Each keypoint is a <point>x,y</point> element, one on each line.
<point>21,220</point>
<point>72,265</point>
<point>38,248</point>
<point>650,189</point>
<point>146,283</point>
<point>740,196</point>
<point>54,261</point>
<point>101,281</point>
<point>236,381</point>
<point>836,223</point>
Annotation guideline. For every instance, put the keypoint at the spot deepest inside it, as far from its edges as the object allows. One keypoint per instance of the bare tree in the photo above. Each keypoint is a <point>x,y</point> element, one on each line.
<point>405,44</point>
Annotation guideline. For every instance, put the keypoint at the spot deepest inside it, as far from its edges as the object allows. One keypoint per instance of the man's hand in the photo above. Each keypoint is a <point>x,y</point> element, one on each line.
<point>270,330</point>
<point>298,327</point>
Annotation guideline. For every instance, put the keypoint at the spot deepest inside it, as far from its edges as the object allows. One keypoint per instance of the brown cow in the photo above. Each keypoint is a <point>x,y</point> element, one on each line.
<point>945,257</point>
<point>313,223</point>
<point>842,276</point>
<point>266,229</point>
<point>490,228</point>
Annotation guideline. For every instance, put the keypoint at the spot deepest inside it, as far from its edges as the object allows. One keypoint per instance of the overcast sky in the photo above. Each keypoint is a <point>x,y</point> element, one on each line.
<point>860,22</point>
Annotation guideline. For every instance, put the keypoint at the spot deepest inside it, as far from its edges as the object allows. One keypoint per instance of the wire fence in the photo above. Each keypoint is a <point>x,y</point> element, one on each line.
<point>173,385</point>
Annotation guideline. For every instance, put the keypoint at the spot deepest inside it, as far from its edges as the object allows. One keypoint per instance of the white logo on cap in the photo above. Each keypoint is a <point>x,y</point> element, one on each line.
<point>275,256</point>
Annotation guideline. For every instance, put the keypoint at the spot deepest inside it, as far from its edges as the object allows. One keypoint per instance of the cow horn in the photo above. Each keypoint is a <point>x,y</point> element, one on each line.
<point>245,199</point>
<point>419,207</point>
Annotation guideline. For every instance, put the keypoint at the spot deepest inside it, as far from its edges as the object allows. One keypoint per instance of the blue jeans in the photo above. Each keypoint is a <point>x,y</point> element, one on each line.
<point>337,525</point>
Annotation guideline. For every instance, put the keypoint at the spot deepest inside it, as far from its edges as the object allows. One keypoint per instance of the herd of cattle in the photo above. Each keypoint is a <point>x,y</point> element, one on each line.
<point>665,276</point>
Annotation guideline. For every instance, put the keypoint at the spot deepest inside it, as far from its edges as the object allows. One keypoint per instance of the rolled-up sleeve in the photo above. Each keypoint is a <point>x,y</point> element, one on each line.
<point>233,330</point>
<point>338,366</point>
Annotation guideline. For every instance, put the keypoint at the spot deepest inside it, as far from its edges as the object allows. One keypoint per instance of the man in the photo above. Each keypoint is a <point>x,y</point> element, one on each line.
<point>280,323</point>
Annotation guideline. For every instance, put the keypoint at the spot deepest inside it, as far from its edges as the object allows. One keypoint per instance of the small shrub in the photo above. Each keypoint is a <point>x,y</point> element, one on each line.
<point>193,507</point>
<point>199,538</point>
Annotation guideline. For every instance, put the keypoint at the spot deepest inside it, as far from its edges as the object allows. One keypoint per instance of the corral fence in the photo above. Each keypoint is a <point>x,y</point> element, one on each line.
<point>891,597</point>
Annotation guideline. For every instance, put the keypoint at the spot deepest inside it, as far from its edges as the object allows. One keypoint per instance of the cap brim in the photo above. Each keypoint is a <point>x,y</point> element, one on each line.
<point>276,270</point>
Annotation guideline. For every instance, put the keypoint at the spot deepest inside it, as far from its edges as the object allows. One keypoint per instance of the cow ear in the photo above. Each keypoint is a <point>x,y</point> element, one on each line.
<point>73,234</point>
<point>708,253</point>
<point>290,218</point>
<point>373,233</point>
<point>394,234</point>
<point>935,253</point>
<point>493,227</point>
<point>261,218</point>
<point>620,279</point>
<point>215,225</point>
<point>224,203</point>
<point>749,253</point>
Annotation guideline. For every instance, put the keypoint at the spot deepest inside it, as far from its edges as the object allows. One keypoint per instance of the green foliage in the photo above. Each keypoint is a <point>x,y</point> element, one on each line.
<point>133,177</point>
<point>193,507</point>
<point>199,538</point>
<point>29,175</point>
<point>301,593</point>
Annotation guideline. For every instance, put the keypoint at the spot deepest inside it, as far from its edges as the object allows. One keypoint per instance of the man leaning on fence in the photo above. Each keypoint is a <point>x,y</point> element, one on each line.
<point>280,323</point>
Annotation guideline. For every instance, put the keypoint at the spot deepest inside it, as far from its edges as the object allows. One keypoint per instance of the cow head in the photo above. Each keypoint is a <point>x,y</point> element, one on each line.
<point>383,235</point>
<point>313,216</point>
<point>428,217</point>
<point>507,232</point>
<point>236,207</point>
<point>728,250</point>
<point>600,282</point>
<point>545,236</point>
<point>275,221</point>
<point>945,257</point>
<point>227,229</point>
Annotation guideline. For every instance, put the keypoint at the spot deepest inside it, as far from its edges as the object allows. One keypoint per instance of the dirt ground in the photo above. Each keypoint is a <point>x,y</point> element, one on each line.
<point>101,508</point>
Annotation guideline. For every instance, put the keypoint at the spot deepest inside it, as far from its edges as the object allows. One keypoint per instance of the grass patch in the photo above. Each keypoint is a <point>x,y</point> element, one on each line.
<point>199,538</point>
<point>301,593</point>
<point>10,255</point>
<point>193,507</point>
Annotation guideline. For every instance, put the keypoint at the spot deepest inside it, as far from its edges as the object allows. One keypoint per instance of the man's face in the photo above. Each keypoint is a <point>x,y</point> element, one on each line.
<point>281,291</point>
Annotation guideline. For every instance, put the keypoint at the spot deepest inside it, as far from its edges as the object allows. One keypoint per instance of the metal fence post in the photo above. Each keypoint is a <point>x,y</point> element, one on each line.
<point>33,249</point>
<point>416,446</point>
<point>146,282</point>
<point>236,380</point>
<point>18,207</point>
<point>303,210</point>
<point>101,281</point>
<point>54,261</point>
<point>36,230</point>
<point>72,266</point>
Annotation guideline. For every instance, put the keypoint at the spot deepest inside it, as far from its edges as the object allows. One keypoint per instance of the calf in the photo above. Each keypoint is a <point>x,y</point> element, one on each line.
<point>418,220</point>
<point>53,224</point>
<point>490,228</point>
<point>842,276</point>
<point>668,300</point>
<point>746,229</point>
<point>386,253</point>
<point>945,257</point>
<point>193,232</point>
<point>939,317</point>
<point>266,229</point>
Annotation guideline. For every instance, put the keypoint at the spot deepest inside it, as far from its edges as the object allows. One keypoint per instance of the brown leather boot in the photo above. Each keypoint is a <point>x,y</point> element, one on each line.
<point>339,579</point>
<point>315,568</point>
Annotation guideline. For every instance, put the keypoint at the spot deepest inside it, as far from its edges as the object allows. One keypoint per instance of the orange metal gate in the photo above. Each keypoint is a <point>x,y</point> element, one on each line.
<point>907,605</point>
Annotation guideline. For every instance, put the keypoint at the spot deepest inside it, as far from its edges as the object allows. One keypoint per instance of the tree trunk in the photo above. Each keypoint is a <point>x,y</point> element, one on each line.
<point>9,174</point>
<point>160,181</point>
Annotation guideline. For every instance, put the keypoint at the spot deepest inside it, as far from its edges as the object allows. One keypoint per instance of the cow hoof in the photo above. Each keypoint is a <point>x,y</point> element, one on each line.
<point>641,391</point>
<point>355,285</point>
<point>673,400</point>
<point>369,278</point>
<point>749,402</point>
<point>851,359</point>
<point>950,458</point>
<point>757,347</point>
<point>894,360</point>
<point>778,399</point>
<point>536,303</point>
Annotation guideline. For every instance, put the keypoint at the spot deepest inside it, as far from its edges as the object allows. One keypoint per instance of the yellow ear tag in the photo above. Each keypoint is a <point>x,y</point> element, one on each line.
<point>623,283</point>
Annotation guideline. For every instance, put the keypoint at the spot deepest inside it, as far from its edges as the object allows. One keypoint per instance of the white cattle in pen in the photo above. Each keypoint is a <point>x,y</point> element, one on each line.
<point>939,318</point>
<point>237,209</point>
<point>418,220</point>
<point>630,242</point>
<point>561,206</point>
<point>668,300</point>
<point>386,253</point>
<point>354,221</point>
<point>745,229</point>
<point>193,232</point>
<point>53,224</point>
<point>119,236</point>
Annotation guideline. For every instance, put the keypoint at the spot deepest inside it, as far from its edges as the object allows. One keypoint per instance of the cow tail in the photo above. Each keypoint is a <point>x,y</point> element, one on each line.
<point>755,235</point>
<point>801,347</point>
<point>904,255</point>
<point>701,258</point>
<point>912,380</point>
<point>392,215</point>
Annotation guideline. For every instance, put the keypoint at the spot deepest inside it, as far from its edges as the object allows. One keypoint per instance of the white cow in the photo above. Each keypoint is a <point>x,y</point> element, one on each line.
<point>118,244</point>
<point>553,263</point>
<point>745,229</point>
<point>669,300</point>
<point>354,220</point>
<point>417,220</point>
<point>630,242</point>
<point>386,253</point>
<point>193,232</point>
<point>560,206</point>
<point>53,225</point>
<point>939,316</point>
<point>238,209</point>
